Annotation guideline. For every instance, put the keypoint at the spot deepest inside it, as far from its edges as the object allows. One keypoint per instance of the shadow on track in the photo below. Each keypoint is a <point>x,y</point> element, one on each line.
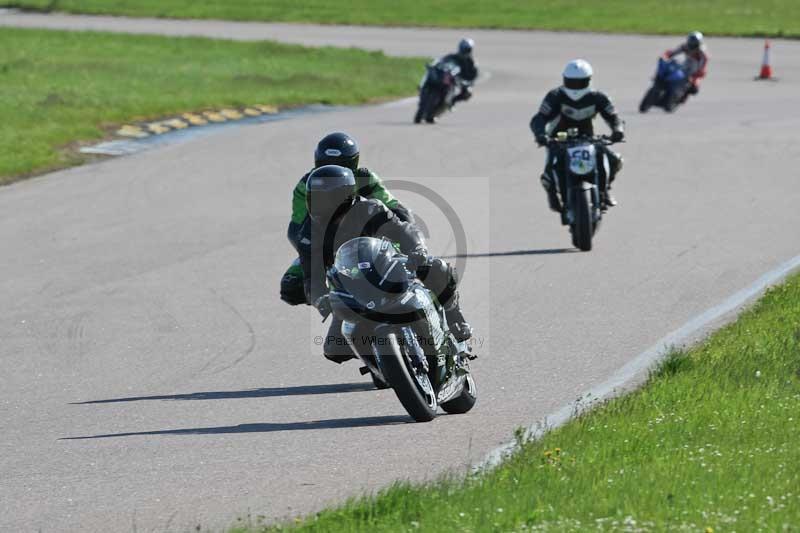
<point>266,427</point>
<point>302,390</point>
<point>544,251</point>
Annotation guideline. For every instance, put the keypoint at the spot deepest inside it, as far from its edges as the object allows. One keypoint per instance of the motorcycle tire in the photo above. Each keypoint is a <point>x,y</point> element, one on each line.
<point>406,381</point>
<point>464,401</point>
<point>582,227</point>
<point>649,100</point>
<point>378,382</point>
<point>433,102</point>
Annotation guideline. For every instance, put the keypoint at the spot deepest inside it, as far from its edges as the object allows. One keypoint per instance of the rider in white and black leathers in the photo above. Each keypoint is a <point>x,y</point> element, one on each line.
<point>575,105</point>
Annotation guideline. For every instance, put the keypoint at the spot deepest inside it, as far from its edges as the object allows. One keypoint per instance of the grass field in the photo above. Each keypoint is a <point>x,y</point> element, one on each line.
<point>709,444</point>
<point>60,87</point>
<point>720,17</point>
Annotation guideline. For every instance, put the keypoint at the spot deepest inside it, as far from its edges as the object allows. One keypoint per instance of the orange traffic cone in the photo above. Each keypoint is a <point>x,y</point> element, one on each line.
<point>766,69</point>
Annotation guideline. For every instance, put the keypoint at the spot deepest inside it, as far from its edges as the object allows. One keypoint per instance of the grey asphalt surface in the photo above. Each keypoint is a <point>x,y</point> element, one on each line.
<point>151,379</point>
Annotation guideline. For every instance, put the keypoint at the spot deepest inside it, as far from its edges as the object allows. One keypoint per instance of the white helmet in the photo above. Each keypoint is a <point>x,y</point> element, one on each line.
<point>694,40</point>
<point>577,78</point>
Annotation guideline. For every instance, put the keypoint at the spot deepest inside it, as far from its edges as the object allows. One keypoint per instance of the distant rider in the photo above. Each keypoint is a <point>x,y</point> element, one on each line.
<point>338,214</point>
<point>575,105</point>
<point>468,68</point>
<point>694,63</point>
<point>334,149</point>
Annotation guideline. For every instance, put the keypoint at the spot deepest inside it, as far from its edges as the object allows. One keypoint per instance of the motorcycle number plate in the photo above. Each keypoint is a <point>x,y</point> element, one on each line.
<point>582,159</point>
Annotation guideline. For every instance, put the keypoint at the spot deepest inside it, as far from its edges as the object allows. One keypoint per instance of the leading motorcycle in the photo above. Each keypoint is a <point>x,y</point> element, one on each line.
<point>577,163</point>
<point>397,327</point>
<point>437,90</point>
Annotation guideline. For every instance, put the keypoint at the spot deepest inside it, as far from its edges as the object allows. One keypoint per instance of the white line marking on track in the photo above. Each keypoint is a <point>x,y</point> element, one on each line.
<point>645,360</point>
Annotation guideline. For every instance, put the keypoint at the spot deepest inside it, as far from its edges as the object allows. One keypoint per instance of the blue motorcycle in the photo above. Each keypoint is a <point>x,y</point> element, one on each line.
<point>669,87</point>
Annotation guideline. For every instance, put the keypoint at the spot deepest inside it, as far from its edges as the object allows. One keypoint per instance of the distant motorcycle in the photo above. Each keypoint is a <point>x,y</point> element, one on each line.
<point>401,336</point>
<point>438,89</point>
<point>669,87</point>
<point>576,158</point>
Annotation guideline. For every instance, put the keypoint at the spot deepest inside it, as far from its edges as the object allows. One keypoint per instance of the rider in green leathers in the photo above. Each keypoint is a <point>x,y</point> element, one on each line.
<point>334,149</point>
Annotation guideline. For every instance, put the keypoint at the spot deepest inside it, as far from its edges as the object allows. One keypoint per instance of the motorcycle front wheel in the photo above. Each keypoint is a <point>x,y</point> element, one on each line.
<point>412,386</point>
<point>649,100</point>
<point>582,226</point>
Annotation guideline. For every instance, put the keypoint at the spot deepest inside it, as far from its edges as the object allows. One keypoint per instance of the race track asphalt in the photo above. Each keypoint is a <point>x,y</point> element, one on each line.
<point>151,379</point>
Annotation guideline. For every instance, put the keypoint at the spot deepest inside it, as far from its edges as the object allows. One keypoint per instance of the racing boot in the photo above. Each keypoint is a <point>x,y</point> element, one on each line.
<point>615,165</point>
<point>459,327</point>
<point>607,200</point>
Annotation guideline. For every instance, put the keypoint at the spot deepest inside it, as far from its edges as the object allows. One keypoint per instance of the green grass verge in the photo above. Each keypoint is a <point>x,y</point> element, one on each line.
<point>721,17</point>
<point>60,87</point>
<point>710,442</point>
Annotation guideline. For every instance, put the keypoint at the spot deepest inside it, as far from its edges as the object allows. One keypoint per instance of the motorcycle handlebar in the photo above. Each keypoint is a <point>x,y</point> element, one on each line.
<point>598,139</point>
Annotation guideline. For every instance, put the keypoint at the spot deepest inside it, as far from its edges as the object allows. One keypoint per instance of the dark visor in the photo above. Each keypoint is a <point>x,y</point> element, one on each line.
<point>576,83</point>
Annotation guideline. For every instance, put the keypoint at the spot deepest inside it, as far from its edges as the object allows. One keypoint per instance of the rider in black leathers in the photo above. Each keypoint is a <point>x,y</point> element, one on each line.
<point>575,105</point>
<point>468,68</point>
<point>334,149</point>
<point>338,214</point>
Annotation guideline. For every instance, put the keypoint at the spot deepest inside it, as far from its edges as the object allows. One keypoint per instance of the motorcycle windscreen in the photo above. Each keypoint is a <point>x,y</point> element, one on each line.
<point>371,271</point>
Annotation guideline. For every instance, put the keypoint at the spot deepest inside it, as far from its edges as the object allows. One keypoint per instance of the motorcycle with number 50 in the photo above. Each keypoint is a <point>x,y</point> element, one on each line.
<point>399,330</point>
<point>577,164</point>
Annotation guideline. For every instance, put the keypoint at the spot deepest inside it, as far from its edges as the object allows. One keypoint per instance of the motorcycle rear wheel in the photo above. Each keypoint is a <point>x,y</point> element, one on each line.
<point>412,387</point>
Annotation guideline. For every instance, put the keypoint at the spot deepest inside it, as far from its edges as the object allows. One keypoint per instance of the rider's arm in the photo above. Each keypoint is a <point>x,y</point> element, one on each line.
<point>548,111</point>
<point>702,62</point>
<point>469,71</point>
<point>669,54</point>
<point>382,222</point>
<point>609,113</point>
<point>370,185</point>
<point>299,209</point>
<point>299,212</point>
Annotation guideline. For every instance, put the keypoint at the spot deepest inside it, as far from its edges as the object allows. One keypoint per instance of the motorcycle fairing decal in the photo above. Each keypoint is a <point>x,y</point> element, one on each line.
<point>578,114</point>
<point>432,317</point>
<point>582,159</point>
<point>364,266</point>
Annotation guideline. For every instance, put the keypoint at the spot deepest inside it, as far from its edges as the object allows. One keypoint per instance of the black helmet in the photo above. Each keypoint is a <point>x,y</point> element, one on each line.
<point>465,46</point>
<point>371,270</point>
<point>337,149</point>
<point>328,188</point>
<point>694,40</point>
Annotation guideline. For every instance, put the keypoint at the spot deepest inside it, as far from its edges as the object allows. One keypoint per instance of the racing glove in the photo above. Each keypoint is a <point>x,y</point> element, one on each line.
<point>416,259</point>
<point>617,136</point>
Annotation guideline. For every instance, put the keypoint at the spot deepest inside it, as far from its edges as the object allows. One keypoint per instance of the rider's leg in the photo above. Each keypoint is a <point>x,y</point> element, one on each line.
<point>336,347</point>
<point>292,291</point>
<point>549,184</point>
<point>442,279</point>
<point>615,165</point>
<point>464,94</point>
